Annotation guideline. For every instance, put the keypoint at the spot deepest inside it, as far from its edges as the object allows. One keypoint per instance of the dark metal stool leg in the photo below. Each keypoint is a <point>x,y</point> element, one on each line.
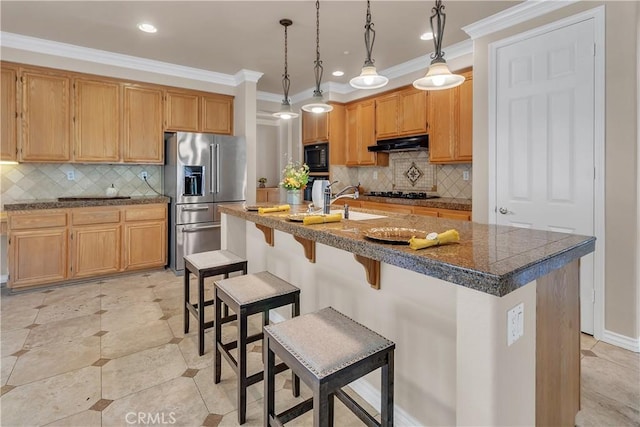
<point>295,380</point>
<point>217,341</point>
<point>386,412</point>
<point>242,366</point>
<point>200,315</point>
<point>269,383</point>
<point>320,406</point>
<point>330,409</point>
<point>186,300</point>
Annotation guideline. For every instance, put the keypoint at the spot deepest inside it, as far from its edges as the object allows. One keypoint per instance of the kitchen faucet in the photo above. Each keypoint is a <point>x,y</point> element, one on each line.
<point>328,198</point>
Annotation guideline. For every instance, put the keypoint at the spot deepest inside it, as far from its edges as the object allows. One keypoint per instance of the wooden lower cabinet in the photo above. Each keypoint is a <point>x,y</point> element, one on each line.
<point>417,210</point>
<point>38,257</point>
<point>268,195</point>
<point>95,250</point>
<point>389,207</point>
<point>57,245</point>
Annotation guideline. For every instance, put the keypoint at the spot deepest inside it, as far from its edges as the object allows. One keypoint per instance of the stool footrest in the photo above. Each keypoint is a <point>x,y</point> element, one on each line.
<point>358,410</point>
<point>294,412</point>
<point>206,303</point>
<point>234,344</point>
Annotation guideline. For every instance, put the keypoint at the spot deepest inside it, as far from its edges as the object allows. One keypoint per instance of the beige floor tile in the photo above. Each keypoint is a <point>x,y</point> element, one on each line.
<point>189,348</point>
<point>82,419</point>
<point>51,360</point>
<point>72,293</point>
<point>618,355</point>
<point>128,317</point>
<point>23,300</point>
<point>123,283</point>
<point>65,330</point>
<point>176,402</point>
<point>121,342</point>
<point>51,399</point>
<point>159,278</point>
<point>73,307</point>
<point>599,410</point>
<point>138,371</point>
<point>16,317</point>
<point>127,298</point>
<point>587,342</point>
<point>612,380</point>
<point>6,367</point>
<point>13,341</point>
<point>176,323</point>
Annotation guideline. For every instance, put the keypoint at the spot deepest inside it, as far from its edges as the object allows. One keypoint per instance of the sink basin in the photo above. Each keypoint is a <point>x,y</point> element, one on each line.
<point>359,216</point>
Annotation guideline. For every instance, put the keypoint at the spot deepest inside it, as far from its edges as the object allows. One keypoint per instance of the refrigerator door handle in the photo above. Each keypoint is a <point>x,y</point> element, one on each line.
<point>217,168</point>
<point>206,227</point>
<point>212,163</point>
<point>204,208</point>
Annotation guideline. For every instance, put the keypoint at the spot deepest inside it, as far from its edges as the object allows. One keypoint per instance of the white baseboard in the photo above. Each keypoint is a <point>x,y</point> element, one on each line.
<point>628,343</point>
<point>365,390</point>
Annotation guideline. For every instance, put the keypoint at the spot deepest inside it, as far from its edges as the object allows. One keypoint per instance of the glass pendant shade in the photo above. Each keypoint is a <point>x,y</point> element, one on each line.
<point>368,79</point>
<point>438,77</point>
<point>286,112</point>
<point>317,104</point>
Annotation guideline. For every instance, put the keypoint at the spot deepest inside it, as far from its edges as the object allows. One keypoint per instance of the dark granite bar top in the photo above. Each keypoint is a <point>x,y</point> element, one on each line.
<point>493,259</point>
<point>98,201</point>
<point>440,203</point>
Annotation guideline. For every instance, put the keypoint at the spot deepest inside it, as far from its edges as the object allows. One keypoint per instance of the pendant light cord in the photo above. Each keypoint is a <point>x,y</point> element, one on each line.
<point>368,39</point>
<point>438,13</point>
<point>318,68</point>
<point>285,77</point>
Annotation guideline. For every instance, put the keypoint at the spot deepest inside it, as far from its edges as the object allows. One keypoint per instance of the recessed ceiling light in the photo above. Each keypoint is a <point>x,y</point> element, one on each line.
<point>147,28</point>
<point>427,36</point>
<point>338,73</point>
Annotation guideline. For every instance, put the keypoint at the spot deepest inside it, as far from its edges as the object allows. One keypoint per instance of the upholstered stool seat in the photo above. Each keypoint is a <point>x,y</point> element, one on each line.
<point>327,350</point>
<point>247,295</point>
<point>202,265</point>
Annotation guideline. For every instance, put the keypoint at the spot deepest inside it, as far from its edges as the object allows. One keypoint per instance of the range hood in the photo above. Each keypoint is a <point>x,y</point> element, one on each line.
<point>407,143</point>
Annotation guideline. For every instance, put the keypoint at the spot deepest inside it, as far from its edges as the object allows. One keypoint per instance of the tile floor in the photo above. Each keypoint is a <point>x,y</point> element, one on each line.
<point>114,353</point>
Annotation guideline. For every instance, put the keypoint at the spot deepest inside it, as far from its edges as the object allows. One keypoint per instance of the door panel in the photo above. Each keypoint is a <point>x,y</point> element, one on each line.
<point>545,138</point>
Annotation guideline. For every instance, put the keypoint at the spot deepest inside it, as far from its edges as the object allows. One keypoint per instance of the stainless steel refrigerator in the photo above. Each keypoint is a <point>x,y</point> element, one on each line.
<point>200,172</point>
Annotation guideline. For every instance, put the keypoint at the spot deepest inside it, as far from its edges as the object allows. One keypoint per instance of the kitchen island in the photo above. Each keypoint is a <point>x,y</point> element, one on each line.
<point>445,308</point>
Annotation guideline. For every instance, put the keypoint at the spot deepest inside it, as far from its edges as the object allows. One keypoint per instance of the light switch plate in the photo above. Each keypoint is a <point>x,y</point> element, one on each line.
<point>515,323</point>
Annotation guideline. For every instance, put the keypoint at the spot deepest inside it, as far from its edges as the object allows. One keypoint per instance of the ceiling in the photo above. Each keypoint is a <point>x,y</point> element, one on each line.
<point>227,36</point>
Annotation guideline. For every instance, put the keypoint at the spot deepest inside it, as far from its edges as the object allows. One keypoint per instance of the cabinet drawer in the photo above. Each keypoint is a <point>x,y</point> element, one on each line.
<point>95,216</point>
<point>418,210</point>
<point>23,221</point>
<point>145,213</point>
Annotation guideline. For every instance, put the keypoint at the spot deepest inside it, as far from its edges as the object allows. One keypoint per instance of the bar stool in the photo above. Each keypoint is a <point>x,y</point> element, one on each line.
<point>247,295</point>
<point>202,265</point>
<point>327,350</point>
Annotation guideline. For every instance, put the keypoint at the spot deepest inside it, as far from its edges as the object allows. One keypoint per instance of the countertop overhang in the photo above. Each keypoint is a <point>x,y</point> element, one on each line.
<point>493,259</point>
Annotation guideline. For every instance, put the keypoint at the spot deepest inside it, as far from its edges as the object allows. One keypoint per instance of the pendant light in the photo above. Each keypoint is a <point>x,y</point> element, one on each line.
<point>369,78</point>
<point>285,112</point>
<point>438,76</point>
<point>317,104</point>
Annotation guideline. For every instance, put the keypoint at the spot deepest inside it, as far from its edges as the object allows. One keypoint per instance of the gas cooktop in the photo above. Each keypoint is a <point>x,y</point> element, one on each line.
<point>401,195</point>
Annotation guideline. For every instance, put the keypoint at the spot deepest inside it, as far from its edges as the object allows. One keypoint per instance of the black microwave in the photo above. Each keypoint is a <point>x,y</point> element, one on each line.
<point>316,156</point>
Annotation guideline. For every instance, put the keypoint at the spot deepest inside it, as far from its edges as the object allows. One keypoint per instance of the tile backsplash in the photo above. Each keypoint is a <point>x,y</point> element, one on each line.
<point>409,171</point>
<point>36,181</point>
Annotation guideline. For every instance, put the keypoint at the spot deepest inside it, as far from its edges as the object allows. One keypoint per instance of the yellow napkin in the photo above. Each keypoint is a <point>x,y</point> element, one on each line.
<point>448,236</point>
<point>320,219</point>
<point>280,208</point>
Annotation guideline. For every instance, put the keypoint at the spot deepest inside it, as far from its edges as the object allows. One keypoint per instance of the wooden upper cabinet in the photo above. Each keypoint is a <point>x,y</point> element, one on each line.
<point>443,129</point>
<point>199,112</point>
<point>182,111</point>
<point>465,133</point>
<point>401,113</point>
<point>451,123</point>
<point>315,127</point>
<point>143,134</point>
<point>97,121</point>
<point>8,110</point>
<point>360,133</point>
<point>217,114</point>
<point>46,118</point>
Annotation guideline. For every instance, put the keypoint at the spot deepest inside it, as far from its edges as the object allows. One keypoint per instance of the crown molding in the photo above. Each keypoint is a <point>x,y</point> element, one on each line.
<point>513,16</point>
<point>269,97</point>
<point>65,50</point>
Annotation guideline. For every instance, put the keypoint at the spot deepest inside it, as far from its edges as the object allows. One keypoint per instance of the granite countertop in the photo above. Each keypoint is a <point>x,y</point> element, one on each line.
<point>99,201</point>
<point>440,203</point>
<point>493,259</point>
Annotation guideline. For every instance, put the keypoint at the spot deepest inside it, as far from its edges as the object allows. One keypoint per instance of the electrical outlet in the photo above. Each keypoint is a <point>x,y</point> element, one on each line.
<point>375,175</point>
<point>71,175</point>
<point>465,175</point>
<point>143,175</point>
<point>515,323</point>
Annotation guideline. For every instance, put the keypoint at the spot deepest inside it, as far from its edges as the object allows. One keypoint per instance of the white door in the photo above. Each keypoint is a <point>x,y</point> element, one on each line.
<point>545,139</point>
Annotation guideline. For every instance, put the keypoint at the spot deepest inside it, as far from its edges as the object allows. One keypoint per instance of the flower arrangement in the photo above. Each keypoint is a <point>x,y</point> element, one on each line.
<point>295,176</point>
<point>262,182</point>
